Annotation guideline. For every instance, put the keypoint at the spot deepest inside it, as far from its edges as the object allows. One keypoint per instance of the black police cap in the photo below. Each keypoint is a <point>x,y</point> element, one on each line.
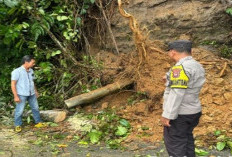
<point>180,46</point>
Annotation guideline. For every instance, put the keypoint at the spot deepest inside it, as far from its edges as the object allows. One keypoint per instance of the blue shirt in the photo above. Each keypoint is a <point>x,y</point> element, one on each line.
<point>25,84</point>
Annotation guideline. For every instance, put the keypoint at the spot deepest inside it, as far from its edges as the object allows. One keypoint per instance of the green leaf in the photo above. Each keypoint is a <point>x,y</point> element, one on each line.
<point>221,145</point>
<point>2,153</point>
<point>57,1</point>
<point>41,11</point>
<point>86,6</point>
<point>29,8</point>
<point>59,136</point>
<point>113,144</point>
<point>54,53</point>
<point>229,143</point>
<point>83,143</point>
<point>28,119</point>
<point>7,41</point>
<point>39,142</point>
<point>161,151</point>
<point>31,45</point>
<point>48,55</point>
<point>25,25</point>
<point>54,125</point>
<point>76,137</point>
<point>78,20</point>
<point>125,123</point>
<point>92,1</point>
<point>201,152</point>
<point>122,131</point>
<point>229,11</point>
<point>12,11</point>
<point>62,18</point>
<point>11,3</point>
<point>46,24</point>
<point>65,34</point>
<point>19,43</point>
<point>217,132</point>
<point>145,128</point>
<point>221,137</point>
<point>83,11</point>
<point>37,29</point>
<point>50,19</point>
<point>63,63</point>
<point>3,29</point>
<point>95,136</point>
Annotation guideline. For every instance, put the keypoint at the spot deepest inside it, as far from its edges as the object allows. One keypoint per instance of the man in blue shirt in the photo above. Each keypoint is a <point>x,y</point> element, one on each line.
<point>23,88</point>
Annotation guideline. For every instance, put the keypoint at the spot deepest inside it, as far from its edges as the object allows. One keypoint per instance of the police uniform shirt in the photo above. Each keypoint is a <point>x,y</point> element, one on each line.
<point>184,82</point>
<point>25,84</point>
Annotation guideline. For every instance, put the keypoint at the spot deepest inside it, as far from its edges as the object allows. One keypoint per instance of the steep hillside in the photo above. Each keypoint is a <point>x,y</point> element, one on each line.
<point>200,20</point>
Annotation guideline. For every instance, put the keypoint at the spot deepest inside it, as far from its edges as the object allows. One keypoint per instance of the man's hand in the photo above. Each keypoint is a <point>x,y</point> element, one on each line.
<point>37,94</point>
<point>16,99</point>
<point>165,121</point>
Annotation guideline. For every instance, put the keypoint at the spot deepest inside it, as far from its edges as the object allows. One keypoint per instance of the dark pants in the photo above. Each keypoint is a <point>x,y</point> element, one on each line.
<point>178,138</point>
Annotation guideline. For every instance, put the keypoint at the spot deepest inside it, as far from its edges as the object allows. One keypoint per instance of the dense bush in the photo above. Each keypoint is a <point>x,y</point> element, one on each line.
<point>51,30</point>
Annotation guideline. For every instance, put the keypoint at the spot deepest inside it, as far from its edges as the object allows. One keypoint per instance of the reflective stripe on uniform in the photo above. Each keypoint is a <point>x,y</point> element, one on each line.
<point>178,77</point>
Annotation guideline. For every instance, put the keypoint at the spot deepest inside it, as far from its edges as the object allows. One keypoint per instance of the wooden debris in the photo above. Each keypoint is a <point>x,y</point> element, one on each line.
<point>53,115</point>
<point>215,62</point>
<point>223,69</point>
<point>208,63</point>
<point>98,93</point>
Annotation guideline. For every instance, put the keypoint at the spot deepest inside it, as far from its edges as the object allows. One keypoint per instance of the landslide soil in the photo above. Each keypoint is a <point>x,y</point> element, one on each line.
<point>142,105</point>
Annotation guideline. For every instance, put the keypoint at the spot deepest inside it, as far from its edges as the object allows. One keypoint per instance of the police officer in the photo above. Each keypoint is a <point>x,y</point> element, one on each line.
<point>182,107</point>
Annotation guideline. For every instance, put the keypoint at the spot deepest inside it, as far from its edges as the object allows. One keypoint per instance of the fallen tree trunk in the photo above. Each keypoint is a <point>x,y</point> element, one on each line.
<point>98,93</point>
<point>53,115</point>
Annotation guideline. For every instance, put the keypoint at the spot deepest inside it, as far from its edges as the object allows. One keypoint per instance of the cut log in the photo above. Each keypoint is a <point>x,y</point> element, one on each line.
<point>53,115</point>
<point>98,93</point>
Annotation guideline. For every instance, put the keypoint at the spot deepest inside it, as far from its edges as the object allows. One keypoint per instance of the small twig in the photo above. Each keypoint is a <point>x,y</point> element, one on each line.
<point>214,62</point>
<point>87,45</point>
<point>158,50</point>
<point>57,84</point>
<point>208,63</point>
<point>114,68</point>
<point>223,69</point>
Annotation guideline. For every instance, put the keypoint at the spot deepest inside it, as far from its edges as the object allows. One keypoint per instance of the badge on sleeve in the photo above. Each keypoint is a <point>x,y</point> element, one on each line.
<point>178,77</point>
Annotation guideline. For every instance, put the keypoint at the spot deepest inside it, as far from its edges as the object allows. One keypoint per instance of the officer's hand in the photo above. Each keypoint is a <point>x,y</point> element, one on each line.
<point>16,99</point>
<point>164,78</point>
<point>165,121</point>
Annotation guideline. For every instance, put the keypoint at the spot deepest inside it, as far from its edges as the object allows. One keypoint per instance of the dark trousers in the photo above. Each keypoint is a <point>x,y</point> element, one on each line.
<point>178,138</point>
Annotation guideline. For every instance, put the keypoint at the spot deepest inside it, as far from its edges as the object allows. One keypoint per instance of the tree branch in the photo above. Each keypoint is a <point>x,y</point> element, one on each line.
<point>108,25</point>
